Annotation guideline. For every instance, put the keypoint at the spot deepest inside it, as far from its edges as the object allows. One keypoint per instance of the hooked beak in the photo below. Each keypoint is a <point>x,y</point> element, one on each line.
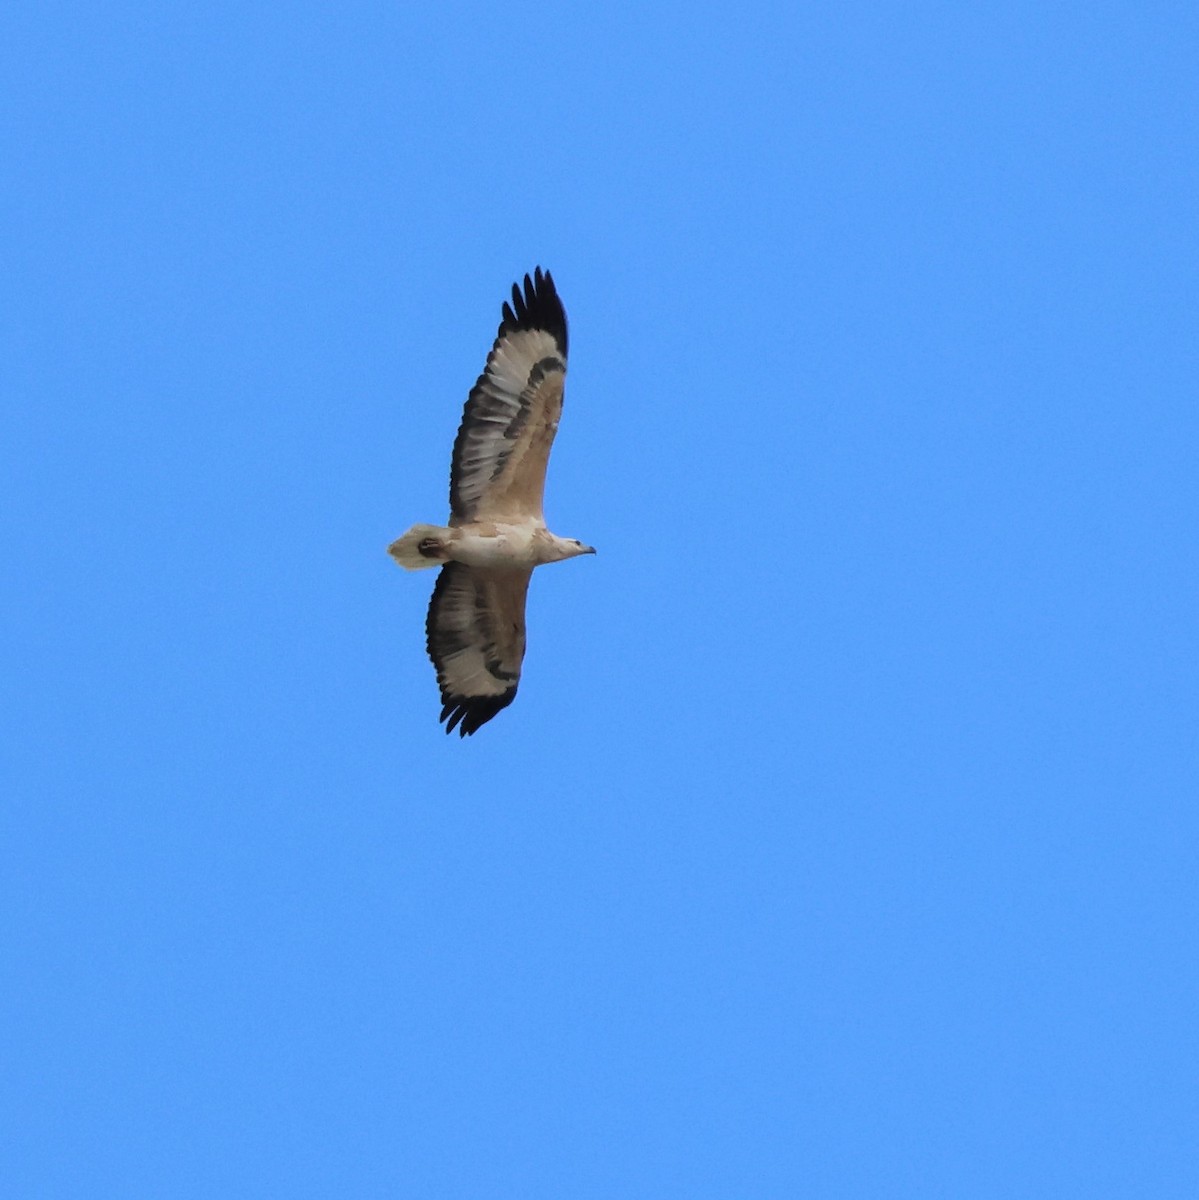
<point>588,549</point>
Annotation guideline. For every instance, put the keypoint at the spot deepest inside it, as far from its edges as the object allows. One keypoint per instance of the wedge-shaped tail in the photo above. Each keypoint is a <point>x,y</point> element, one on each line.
<point>422,546</point>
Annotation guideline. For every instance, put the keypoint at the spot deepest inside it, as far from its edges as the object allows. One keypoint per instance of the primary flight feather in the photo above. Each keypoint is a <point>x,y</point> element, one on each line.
<point>496,533</point>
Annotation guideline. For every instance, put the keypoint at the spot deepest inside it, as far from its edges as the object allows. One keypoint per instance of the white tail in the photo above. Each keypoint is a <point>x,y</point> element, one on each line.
<point>407,549</point>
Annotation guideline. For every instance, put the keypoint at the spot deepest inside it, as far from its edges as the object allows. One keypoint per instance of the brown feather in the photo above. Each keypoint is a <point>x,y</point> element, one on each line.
<point>475,634</point>
<point>511,416</point>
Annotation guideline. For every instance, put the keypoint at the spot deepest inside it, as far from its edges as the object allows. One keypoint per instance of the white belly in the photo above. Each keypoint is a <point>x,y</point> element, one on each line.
<point>508,546</point>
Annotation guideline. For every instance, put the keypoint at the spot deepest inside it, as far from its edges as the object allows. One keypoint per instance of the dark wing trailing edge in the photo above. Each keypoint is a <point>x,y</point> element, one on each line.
<point>511,416</point>
<point>476,639</point>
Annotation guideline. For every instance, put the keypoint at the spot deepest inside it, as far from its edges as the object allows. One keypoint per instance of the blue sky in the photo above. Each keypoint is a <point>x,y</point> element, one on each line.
<point>842,839</point>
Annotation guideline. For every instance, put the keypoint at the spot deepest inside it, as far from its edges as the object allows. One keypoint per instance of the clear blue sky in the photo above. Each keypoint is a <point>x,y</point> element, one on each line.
<point>842,840</point>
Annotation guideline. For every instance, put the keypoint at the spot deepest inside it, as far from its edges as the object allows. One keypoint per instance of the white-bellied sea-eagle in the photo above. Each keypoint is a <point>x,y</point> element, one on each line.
<point>496,534</point>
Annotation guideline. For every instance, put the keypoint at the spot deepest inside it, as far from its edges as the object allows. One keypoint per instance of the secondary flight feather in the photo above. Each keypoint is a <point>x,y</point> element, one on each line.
<point>496,534</point>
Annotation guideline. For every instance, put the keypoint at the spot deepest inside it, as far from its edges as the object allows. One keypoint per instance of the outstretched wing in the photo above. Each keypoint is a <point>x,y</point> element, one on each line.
<point>476,639</point>
<point>511,415</point>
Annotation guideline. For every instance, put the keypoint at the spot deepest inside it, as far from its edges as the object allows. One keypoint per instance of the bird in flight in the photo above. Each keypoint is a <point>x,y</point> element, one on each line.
<point>496,535</point>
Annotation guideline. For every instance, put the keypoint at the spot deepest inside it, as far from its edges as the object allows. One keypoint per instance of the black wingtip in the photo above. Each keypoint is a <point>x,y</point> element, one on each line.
<point>536,307</point>
<point>471,713</point>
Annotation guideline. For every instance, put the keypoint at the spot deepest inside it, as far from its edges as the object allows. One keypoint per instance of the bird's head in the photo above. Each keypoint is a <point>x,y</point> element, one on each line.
<point>570,548</point>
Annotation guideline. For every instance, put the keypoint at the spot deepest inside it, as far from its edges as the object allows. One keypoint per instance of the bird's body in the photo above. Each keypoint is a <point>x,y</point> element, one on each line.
<point>496,533</point>
<point>486,544</point>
